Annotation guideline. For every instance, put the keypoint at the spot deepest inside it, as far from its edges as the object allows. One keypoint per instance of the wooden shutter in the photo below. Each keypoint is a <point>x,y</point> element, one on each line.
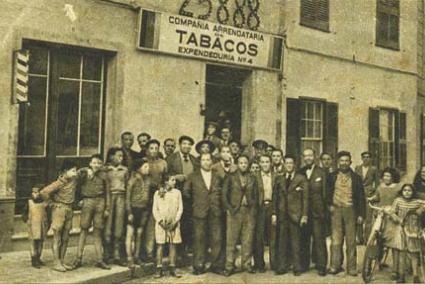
<point>422,119</point>
<point>400,140</point>
<point>387,23</point>
<point>330,125</point>
<point>293,122</point>
<point>374,135</point>
<point>315,14</point>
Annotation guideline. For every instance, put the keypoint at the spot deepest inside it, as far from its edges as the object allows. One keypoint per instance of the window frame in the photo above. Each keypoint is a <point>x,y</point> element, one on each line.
<point>386,42</point>
<point>314,103</point>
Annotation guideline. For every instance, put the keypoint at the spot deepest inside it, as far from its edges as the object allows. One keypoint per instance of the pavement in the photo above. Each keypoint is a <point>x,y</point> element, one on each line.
<point>15,267</point>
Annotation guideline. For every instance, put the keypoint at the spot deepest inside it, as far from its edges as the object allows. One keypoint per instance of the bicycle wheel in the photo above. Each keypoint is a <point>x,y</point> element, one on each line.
<point>371,258</point>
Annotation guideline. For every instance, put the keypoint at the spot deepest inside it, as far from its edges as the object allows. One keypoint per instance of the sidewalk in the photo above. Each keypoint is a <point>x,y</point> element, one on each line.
<point>15,267</point>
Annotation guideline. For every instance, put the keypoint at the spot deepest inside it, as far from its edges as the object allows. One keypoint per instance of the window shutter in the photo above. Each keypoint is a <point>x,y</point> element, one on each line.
<point>423,139</point>
<point>387,23</point>
<point>400,140</point>
<point>330,131</point>
<point>293,120</point>
<point>315,14</point>
<point>374,135</point>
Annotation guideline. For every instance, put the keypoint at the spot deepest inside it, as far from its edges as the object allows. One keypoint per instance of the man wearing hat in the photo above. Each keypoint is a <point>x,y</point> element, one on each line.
<point>130,156</point>
<point>370,177</point>
<point>181,164</point>
<point>260,147</point>
<point>211,134</point>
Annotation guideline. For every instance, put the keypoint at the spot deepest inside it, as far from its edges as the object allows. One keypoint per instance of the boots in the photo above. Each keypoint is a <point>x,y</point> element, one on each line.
<point>158,273</point>
<point>173,272</point>
<point>34,262</point>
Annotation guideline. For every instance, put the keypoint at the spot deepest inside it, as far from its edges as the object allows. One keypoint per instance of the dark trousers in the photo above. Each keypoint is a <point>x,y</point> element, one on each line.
<point>186,227</point>
<point>265,233</point>
<point>344,227</point>
<point>288,245</point>
<point>208,233</point>
<point>315,230</point>
<point>240,226</point>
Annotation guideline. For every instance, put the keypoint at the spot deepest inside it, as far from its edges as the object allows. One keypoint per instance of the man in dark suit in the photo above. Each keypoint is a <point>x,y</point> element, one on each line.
<point>346,201</point>
<point>204,187</point>
<point>130,156</point>
<point>265,232</point>
<point>277,161</point>
<point>142,140</point>
<point>240,201</point>
<point>225,165</point>
<point>370,177</point>
<point>181,164</point>
<point>291,196</point>
<point>317,180</point>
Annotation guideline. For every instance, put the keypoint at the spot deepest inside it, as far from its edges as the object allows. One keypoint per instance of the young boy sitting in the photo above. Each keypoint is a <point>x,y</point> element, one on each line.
<point>62,194</point>
<point>96,202</point>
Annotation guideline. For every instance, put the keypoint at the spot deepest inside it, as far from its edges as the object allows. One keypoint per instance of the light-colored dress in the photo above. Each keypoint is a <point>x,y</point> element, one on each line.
<point>401,207</point>
<point>168,208</point>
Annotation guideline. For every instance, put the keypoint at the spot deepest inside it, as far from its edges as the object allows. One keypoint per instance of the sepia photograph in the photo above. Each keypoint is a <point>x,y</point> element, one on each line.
<point>212,141</point>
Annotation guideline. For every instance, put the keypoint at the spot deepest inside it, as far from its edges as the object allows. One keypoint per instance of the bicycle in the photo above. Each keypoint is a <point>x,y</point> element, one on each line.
<point>375,251</point>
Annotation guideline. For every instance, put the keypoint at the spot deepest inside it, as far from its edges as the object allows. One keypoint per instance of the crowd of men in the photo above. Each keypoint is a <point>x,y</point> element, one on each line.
<point>259,198</point>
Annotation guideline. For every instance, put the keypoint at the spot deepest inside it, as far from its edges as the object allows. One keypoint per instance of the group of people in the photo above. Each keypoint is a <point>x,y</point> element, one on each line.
<point>138,202</point>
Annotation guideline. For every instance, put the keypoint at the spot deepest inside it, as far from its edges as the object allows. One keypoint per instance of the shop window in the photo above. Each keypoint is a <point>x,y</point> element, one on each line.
<point>64,117</point>
<point>387,138</point>
<point>387,23</point>
<point>315,14</point>
<point>311,124</point>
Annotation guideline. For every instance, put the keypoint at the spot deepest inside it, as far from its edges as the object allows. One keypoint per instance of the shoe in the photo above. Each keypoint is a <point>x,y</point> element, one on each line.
<point>120,262</point>
<point>394,276</point>
<point>139,262</point>
<point>250,270</point>
<point>416,279</point>
<point>353,273</point>
<point>130,263</point>
<point>401,280</point>
<point>227,273</point>
<point>34,262</point>
<point>173,273</point>
<point>322,272</point>
<point>297,273</point>
<point>335,271</point>
<point>261,270</point>
<point>102,265</point>
<point>77,263</point>
<point>58,267</point>
<point>67,267</point>
<point>280,272</point>
<point>217,271</point>
<point>158,273</point>
<point>198,271</point>
<point>41,263</point>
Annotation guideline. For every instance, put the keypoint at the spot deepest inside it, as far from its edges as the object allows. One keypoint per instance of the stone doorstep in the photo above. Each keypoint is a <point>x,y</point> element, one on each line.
<point>15,267</point>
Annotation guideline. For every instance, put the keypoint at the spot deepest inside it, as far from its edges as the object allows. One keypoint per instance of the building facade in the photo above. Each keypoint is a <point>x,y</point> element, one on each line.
<point>341,80</point>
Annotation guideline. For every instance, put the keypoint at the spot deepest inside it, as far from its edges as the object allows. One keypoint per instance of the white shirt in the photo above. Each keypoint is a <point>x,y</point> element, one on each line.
<point>364,171</point>
<point>207,176</point>
<point>267,185</point>
<point>290,175</point>
<point>309,171</point>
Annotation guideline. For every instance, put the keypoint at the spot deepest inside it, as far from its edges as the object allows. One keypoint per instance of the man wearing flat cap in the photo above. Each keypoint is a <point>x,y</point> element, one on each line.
<point>260,147</point>
<point>211,134</point>
<point>181,164</point>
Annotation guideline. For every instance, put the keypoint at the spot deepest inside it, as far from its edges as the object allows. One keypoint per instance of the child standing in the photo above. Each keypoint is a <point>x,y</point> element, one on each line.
<point>117,178</point>
<point>95,208</point>
<point>36,219</point>
<point>139,208</point>
<point>405,203</point>
<point>62,193</point>
<point>167,211</point>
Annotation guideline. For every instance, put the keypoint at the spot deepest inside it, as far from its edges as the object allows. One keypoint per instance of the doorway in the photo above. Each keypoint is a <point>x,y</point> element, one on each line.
<point>223,102</point>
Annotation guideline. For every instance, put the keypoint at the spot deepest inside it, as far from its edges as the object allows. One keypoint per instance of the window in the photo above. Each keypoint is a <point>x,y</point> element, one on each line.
<point>315,14</point>
<point>64,117</point>
<point>387,23</point>
<point>311,123</point>
<point>422,139</point>
<point>387,138</point>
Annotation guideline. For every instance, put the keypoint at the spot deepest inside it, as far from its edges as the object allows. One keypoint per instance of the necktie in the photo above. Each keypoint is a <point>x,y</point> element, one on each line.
<point>185,157</point>
<point>288,180</point>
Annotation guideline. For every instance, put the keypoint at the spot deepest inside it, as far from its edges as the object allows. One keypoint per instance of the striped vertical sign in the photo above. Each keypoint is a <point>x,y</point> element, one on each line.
<point>20,80</point>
